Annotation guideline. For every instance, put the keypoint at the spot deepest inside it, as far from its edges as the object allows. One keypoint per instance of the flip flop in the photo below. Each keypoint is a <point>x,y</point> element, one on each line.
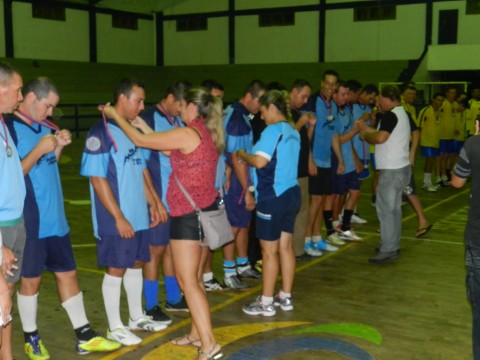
<point>423,231</point>
<point>186,341</point>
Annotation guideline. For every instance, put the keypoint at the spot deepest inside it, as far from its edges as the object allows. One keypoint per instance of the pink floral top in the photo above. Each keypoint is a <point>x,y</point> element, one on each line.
<point>196,172</point>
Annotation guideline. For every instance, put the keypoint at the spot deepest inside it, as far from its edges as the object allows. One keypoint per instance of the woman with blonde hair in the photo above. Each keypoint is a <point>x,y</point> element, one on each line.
<point>275,157</point>
<point>194,151</point>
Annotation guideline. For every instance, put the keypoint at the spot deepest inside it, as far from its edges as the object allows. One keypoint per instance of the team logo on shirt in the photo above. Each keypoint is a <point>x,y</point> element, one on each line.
<point>93,143</point>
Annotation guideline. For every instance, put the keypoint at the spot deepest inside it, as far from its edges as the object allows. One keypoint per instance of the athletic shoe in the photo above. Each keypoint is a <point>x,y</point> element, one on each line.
<point>349,235</point>
<point>146,323</point>
<point>285,304</point>
<point>123,336</point>
<point>158,315</point>
<point>430,188</point>
<point>180,306</point>
<point>249,273</point>
<point>356,219</point>
<point>334,239</point>
<point>35,350</point>
<point>213,285</point>
<point>234,282</point>
<point>309,249</point>
<point>257,308</point>
<point>322,245</point>
<point>258,265</point>
<point>97,343</point>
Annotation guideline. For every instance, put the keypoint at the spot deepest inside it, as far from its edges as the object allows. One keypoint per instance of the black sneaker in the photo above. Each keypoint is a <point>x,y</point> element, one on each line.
<point>180,306</point>
<point>158,315</point>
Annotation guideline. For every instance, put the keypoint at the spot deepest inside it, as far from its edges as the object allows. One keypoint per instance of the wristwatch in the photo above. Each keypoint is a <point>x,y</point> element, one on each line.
<point>251,188</point>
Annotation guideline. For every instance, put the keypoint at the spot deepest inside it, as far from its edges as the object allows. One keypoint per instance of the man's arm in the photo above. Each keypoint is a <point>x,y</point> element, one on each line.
<point>154,201</point>
<point>46,145</point>
<point>104,192</point>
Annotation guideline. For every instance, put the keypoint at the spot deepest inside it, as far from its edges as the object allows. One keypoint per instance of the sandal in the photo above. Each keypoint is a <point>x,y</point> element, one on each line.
<point>185,340</point>
<point>423,230</point>
<point>212,354</point>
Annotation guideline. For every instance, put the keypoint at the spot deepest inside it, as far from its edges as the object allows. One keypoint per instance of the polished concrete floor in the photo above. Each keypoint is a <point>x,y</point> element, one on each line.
<point>345,308</point>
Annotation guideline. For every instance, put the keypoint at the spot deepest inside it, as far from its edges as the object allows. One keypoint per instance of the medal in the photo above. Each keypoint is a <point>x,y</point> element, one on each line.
<point>9,151</point>
<point>330,117</point>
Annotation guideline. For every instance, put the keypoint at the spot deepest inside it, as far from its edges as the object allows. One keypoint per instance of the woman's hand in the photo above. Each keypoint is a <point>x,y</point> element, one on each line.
<point>108,110</point>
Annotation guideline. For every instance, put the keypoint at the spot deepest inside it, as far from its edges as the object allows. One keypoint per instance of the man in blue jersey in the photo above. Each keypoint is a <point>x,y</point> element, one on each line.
<point>40,144</point>
<point>324,138</point>
<point>121,202</point>
<point>239,199</point>
<point>163,116</point>
<point>348,182</point>
<point>12,195</point>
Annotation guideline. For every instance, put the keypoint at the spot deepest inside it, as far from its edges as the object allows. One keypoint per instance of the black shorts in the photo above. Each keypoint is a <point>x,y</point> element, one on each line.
<point>187,227</point>
<point>321,184</point>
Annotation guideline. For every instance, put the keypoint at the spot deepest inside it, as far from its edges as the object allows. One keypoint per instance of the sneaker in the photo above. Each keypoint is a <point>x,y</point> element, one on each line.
<point>258,265</point>
<point>322,245</point>
<point>180,306</point>
<point>97,343</point>
<point>123,336</point>
<point>285,304</point>
<point>429,188</point>
<point>249,273</point>
<point>35,350</point>
<point>349,235</point>
<point>213,285</point>
<point>356,219</point>
<point>156,314</point>
<point>234,282</point>
<point>146,323</point>
<point>309,248</point>
<point>257,308</point>
<point>334,239</point>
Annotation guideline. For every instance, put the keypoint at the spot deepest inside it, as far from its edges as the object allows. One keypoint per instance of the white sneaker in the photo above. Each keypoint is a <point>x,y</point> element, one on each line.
<point>334,239</point>
<point>349,235</point>
<point>309,248</point>
<point>357,219</point>
<point>123,336</point>
<point>146,323</point>
<point>429,188</point>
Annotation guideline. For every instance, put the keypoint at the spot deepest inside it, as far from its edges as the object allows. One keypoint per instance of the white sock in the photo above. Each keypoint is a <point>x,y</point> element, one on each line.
<point>266,300</point>
<point>427,179</point>
<point>335,223</point>
<point>27,309</point>
<point>284,295</point>
<point>308,239</point>
<point>111,288</point>
<point>317,238</point>
<point>207,276</point>
<point>76,310</point>
<point>133,284</point>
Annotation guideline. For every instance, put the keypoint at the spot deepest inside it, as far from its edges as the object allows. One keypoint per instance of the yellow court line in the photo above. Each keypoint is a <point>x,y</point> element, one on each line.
<point>244,294</point>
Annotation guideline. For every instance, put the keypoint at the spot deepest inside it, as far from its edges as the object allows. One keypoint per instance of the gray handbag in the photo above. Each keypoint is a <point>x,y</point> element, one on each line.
<point>214,223</point>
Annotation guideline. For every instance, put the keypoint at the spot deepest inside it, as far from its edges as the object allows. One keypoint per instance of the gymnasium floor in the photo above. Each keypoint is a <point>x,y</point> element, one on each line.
<point>412,308</point>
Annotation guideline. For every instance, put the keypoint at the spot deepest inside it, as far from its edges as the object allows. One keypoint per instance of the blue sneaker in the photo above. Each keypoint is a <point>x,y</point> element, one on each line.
<point>310,250</point>
<point>322,245</point>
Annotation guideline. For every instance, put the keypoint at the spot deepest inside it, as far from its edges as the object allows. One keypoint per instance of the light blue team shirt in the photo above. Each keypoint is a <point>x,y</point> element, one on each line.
<point>280,144</point>
<point>238,130</point>
<point>12,183</point>
<point>345,118</point>
<point>44,188</point>
<point>324,131</point>
<point>123,170</point>
<point>361,147</point>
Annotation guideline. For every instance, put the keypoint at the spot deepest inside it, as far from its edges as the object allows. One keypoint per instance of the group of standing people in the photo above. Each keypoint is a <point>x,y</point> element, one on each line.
<point>303,170</point>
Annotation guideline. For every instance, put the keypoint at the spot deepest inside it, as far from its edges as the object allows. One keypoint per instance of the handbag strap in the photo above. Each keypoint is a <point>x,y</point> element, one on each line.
<point>187,195</point>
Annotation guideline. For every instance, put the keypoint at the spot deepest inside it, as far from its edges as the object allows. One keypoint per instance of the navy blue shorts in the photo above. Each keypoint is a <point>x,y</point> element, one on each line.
<point>321,184</point>
<point>278,215</point>
<point>52,253</point>
<point>159,235</point>
<point>237,214</point>
<point>427,151</point>
<point>446,146</point>
<point>457,146</point>
<point>114,251</point>
<point>344,182</point>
